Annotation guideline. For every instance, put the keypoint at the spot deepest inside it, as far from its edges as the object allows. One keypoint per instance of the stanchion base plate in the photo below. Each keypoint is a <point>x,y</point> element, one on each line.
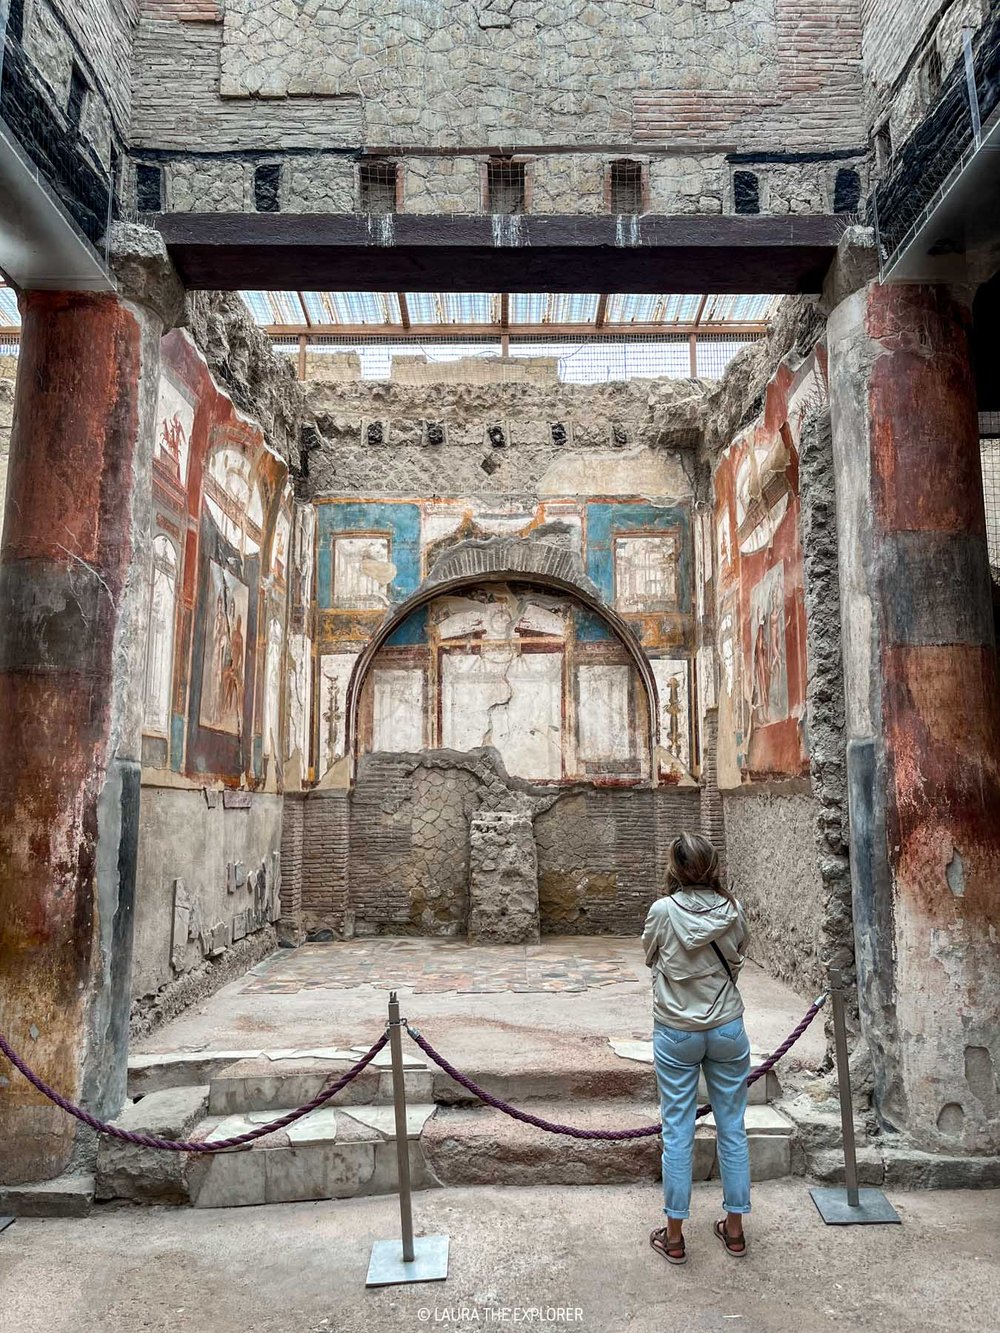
<point>429,1264</point>
<point>6,1222</point>
<point>872,1207</point>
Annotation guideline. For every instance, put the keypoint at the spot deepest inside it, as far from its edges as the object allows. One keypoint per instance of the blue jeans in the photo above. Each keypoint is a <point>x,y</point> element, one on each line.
<point>724,1054</point>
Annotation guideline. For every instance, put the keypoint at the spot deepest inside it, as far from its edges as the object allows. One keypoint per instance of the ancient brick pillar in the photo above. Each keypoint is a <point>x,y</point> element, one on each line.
<point>73,589</point>
<point>923,711</point>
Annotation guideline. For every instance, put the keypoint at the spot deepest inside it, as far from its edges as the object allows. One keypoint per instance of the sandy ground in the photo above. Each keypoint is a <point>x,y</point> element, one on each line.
<point>300,1268</point>
<point>527,1030</point>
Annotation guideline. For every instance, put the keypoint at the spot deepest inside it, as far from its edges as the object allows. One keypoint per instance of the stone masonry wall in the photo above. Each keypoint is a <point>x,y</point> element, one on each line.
<point>79,142</point>
<point>259,381</point>
<point>409,845</point>
<point>771,859</point>
<point>693,93</point>
<point>900,39</point>
<point>609,425</point>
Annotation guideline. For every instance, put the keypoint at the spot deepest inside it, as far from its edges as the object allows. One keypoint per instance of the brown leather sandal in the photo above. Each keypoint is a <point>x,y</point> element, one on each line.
<point>736,1246</point>
<point>672,1250</point>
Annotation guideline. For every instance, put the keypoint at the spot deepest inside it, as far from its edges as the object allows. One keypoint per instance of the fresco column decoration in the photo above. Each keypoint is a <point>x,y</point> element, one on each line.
<point>923,711</point>
<point>74,585</point>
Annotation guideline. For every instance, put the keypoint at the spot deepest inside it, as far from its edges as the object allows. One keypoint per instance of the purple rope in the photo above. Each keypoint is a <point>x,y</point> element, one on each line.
<point>175,1145</point>
<point>615,1135</point>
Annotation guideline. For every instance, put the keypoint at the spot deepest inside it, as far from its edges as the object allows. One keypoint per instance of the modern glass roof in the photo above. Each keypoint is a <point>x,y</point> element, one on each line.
<point>10,317</point>
<point>592,337</point>
<point>478,313</point>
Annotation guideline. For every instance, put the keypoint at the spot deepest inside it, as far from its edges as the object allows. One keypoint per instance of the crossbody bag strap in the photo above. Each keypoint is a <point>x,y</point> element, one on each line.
<point>722,959</point>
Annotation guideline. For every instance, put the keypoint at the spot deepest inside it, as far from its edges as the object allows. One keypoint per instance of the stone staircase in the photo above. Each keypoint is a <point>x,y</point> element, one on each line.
<point>347,1148</point>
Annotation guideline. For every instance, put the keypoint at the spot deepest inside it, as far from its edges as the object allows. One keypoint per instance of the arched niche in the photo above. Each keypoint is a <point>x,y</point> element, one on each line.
<point>477,564</point>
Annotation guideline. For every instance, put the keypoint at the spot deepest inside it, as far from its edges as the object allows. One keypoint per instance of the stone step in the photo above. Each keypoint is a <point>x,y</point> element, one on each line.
<point>346,1152</point>
<point>71,1195</point>
<point>267,1084</point>
<point>333,1153</point>
<point>481,1146</point>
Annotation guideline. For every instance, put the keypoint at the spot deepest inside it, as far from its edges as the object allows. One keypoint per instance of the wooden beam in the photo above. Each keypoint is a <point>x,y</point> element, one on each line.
<point>305,312</point>
<point>554,253</point>
<point>505,310</point>
<point>700,311</point>
<point>461,332</point>
<point>601,318</point>
<point>404,309</point>
<point>303,347</point>
<point>693,353</point>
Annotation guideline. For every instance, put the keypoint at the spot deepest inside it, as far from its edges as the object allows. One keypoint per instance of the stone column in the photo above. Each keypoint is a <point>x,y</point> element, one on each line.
<point>73,596</point>
<point>923,711</point>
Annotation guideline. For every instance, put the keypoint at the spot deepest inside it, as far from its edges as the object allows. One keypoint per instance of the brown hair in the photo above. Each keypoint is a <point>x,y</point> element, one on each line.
<point>693,862</point>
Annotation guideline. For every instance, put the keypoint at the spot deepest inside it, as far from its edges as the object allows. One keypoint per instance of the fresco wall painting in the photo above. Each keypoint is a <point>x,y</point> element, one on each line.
<point>222,520</point>
<point>760,608</point>
<point>534,674</point>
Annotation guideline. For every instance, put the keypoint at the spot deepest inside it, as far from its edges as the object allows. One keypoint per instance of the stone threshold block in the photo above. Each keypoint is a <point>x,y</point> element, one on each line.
<point>329,1154</point>
<point>66,1196</point>
<point>766,1089</point>
<point>151,1175</point>
<point>469,1146</point>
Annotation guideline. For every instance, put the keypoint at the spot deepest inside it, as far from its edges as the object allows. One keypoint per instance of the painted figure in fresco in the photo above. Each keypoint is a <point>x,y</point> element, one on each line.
<point>225,648</point>
<point>174,440</point>
<point>232,678</point>
<point>770,687</point>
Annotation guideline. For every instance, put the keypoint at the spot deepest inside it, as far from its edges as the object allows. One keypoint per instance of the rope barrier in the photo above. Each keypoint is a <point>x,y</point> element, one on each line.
<point>613,1135</point>
<point>177,1145</point>
<point>331,1090</point>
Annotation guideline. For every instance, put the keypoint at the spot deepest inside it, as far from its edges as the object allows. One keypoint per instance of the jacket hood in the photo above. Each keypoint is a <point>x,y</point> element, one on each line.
<point>700,916</point>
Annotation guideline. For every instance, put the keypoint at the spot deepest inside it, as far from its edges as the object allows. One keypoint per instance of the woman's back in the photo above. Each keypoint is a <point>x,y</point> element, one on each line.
<point>692,989</point>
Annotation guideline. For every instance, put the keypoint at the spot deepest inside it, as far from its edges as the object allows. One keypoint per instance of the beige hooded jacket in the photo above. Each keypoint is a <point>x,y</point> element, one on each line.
<point>691,990</point>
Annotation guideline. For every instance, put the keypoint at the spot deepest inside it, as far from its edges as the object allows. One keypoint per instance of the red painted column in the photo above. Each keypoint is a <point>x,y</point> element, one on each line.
<point>73,576</point>
<point>923,705</point>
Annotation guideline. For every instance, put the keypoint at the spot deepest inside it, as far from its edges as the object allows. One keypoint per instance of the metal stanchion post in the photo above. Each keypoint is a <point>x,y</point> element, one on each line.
<point>420,1259</point>
<point>841,1207</point>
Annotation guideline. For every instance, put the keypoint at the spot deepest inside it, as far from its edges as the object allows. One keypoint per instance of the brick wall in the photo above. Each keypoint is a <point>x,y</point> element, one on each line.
<point>898,36</point>
<point>178,107</point>
<point>325,851</point>
<point>183,11</point>
<point>292,825</point>
<point>712,822</point>
<point>393,856</point>
<point>807,100</point>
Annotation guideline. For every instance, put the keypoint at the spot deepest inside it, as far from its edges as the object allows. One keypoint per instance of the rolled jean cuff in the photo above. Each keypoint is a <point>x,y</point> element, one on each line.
<point>744,1209</point>
<point>675,1216</point>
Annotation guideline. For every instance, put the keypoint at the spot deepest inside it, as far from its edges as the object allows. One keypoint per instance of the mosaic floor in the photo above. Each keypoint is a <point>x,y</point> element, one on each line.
<point>425,966</point>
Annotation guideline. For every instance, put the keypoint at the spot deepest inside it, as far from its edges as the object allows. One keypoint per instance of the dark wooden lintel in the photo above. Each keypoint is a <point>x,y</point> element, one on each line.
<point>529,253</point>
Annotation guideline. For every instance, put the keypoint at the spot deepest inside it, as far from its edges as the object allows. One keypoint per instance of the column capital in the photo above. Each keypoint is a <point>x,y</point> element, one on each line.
<point>854,266</point>
<point>144,272</point>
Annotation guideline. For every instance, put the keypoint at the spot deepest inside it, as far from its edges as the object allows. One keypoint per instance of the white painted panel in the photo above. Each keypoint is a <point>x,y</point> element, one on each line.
<point>398,710</point>
<point>646,573</point>
<point>603,714</point>
<point>335,673</point>
<point>672,677</point>
<point>507,699</point>
<point>361,572</point>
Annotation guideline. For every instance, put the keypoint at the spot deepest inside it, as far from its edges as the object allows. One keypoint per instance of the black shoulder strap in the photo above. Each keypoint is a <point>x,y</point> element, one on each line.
<point>722,959</point>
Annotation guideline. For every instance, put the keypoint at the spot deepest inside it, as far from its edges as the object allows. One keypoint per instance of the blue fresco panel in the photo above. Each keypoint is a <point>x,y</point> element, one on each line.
<point>605,521</point>
<point>400,521</point>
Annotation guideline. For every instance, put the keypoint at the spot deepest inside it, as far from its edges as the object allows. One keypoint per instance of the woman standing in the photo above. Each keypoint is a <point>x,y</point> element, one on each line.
<point>695,940</point>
